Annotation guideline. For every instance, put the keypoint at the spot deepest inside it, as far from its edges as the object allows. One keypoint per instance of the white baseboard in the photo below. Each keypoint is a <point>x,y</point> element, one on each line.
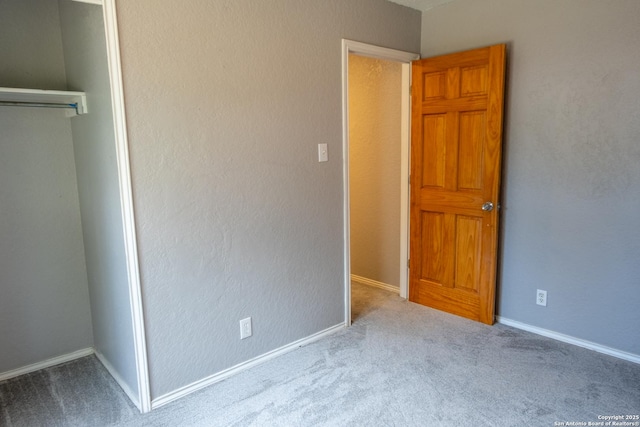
<point>375,283</point>
<point>98,2</point>
<point>46,363</point>
<point>188,389</point>
<point>135,399</point>
<point>571,340</point>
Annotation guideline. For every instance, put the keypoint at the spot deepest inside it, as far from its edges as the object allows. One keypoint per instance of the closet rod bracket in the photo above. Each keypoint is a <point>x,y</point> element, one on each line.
<point>44,98</point>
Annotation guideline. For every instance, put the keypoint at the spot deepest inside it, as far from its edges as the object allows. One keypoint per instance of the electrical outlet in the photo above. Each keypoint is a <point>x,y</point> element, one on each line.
<point>541,297</point>
<point>245,328</point>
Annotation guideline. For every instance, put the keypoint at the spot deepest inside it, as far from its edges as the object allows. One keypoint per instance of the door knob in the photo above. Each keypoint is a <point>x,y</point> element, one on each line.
<point>487,206</point>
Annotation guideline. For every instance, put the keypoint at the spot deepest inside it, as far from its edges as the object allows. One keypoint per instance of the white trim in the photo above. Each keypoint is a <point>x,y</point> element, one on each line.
<point>126,201</point>
<point>222,375</point>
<point>373,51</point>
<point>46,363</point>
<point>346,216</point>
<point>350,46</point>
<point>125,387</point>
<point>405,150</point>
<point>375,284</point>
<point>98,2</point>
<point>635,358</point>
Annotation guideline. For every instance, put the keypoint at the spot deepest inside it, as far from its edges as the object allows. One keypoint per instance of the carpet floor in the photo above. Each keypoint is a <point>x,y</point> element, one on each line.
<point>400,364</point>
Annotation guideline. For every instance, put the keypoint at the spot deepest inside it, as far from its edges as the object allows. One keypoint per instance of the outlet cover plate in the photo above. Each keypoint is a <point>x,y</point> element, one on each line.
<point>541,297</point>
<point>245,328</point>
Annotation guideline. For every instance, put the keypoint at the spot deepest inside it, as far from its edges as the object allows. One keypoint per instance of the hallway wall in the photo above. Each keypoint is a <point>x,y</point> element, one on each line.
<point>374,168</point>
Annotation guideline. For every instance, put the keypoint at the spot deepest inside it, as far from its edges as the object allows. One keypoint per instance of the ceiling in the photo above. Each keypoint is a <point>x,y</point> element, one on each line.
<point>422,5</point>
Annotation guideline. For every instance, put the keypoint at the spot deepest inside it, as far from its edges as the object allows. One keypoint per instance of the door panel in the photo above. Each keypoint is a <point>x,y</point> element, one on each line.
<point>470,153</point>
<point>433,237</point>
<point>468,238</point>
<point>457,106</point>
<point>434,151</point>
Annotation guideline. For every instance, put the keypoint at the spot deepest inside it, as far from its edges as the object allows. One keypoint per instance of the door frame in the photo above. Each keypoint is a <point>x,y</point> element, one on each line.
<point>126,201</point>
<point>404,58</point>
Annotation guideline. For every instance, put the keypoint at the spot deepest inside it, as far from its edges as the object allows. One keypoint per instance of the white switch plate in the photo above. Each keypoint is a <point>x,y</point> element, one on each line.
<point>245,328</point>
<point>323,154</point>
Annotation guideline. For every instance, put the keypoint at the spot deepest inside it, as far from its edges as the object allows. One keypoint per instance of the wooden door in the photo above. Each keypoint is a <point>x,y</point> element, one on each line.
<point>457,109</point>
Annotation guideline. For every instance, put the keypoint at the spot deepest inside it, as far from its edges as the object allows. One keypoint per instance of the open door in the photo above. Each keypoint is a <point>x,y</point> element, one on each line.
<point>457,110</point>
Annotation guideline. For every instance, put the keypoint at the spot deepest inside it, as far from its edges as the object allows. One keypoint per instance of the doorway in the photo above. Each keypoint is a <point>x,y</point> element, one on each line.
<point>374,171</point>
<point>362,56</point>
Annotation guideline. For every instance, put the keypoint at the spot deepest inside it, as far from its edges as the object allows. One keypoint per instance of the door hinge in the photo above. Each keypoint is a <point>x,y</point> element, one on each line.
<point>410,90</point>
<point>408,263</point>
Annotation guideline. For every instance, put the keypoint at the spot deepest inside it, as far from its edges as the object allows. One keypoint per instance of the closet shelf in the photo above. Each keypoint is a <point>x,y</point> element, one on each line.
<point>44,98</point>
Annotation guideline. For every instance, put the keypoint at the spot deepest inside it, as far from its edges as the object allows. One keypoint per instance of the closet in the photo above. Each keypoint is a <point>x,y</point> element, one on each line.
<point>67,258</point>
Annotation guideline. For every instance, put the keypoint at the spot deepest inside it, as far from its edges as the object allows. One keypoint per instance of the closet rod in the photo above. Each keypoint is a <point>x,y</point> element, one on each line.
<point>38,104</point>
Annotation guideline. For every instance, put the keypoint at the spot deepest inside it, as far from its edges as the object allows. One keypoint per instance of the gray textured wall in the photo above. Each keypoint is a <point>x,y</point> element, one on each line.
<point>44,302</point>
<point>572,156</point>
<point>374,168</point>
<point>97,171</point>
<point>226,103</point>
<point>30,45</point>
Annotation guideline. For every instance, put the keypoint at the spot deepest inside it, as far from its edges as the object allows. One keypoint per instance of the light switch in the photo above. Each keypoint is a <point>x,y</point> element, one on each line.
<point>323,154</point>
